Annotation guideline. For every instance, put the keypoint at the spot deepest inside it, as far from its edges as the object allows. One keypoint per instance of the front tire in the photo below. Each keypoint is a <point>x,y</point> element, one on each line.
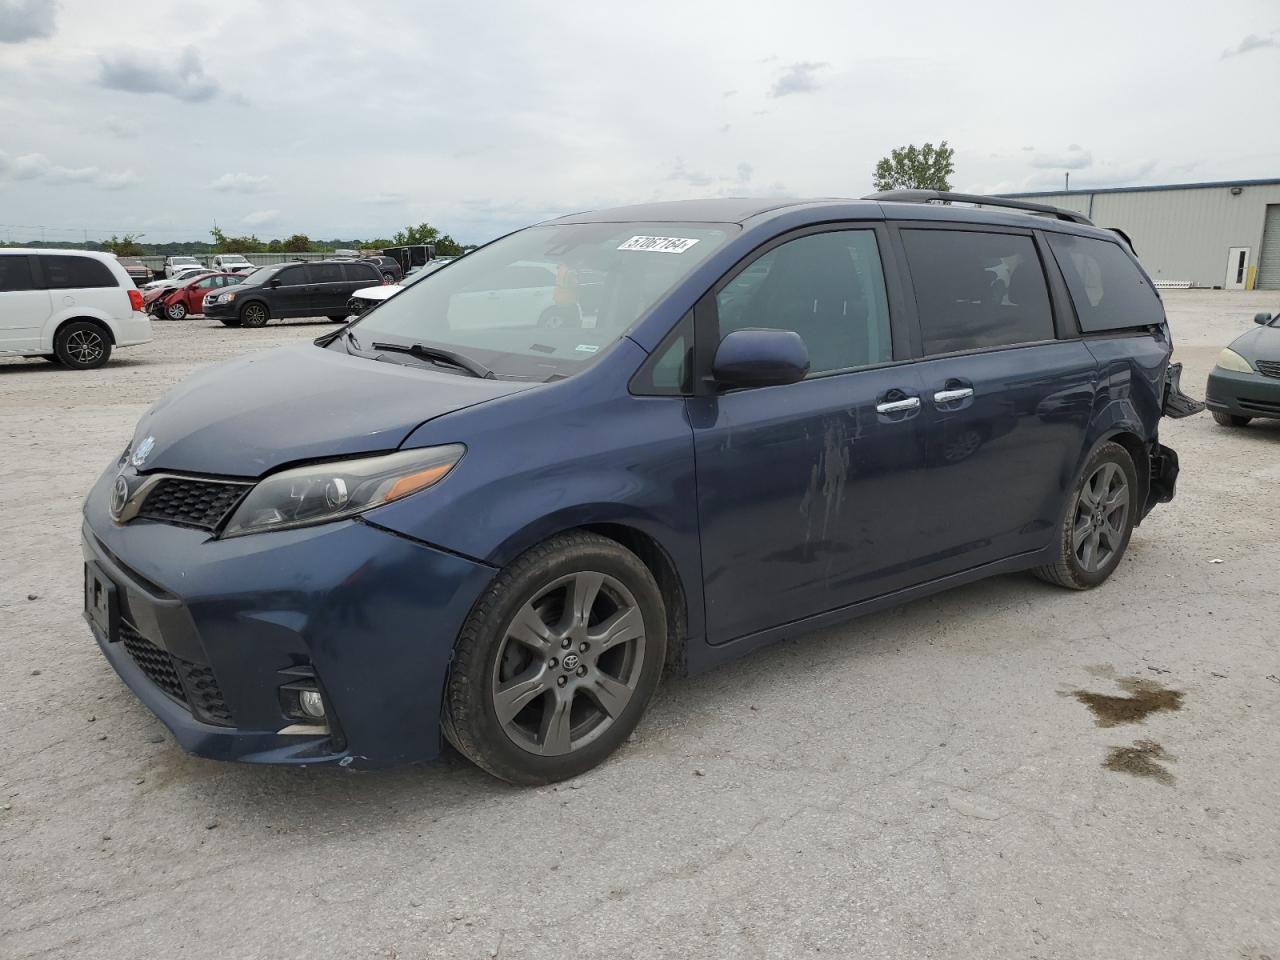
<point>1099,520</point>
<point>1230,419</point>
<point>176,311</point>
<point>557,661</point>
<point>82,345</point>
<point>254,314</point>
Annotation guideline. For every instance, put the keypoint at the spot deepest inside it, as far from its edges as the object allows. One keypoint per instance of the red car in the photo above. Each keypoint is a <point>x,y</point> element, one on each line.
<point>176,303</point>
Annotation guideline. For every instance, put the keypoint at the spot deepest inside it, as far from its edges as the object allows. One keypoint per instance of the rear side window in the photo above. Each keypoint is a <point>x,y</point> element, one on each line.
<point>1108,291</point>
<point>15,274</point>
<point>326,273</point>
<point>977,291</point>
<point>75,273</point>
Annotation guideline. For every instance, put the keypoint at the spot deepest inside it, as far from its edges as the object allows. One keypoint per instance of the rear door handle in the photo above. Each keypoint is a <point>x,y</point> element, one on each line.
<point>898,406</point>
<point>950,396</point>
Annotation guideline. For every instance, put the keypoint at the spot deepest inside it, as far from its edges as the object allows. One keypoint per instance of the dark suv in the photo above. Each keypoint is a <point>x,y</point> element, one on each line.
<point>320,289</point>
<point>453,518</point>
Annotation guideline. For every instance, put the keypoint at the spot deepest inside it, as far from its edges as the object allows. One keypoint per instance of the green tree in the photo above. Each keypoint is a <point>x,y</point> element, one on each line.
<point>916,168</point>
<point>422,233</point>
<point>126,246</point>
<point>298,243</point>
<point>224,244</point>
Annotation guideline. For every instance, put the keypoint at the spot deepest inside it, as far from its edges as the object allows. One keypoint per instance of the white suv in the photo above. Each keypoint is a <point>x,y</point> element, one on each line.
<point>70,306</point>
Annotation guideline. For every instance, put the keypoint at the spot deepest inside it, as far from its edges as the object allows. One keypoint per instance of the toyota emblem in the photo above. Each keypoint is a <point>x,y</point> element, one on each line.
<point>119,496</point>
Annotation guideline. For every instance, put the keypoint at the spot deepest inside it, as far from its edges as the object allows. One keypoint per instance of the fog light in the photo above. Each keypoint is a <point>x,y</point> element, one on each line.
<point>312,703</point>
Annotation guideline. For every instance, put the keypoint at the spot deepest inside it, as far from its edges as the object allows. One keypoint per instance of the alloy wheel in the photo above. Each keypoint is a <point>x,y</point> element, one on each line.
<point>569,663</point>
<point>1102,510</point>
<point>85,346</point>
<point>254,315</point>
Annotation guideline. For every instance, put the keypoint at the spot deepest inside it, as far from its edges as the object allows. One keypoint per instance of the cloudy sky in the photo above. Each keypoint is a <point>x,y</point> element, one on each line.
<point>338,118</point>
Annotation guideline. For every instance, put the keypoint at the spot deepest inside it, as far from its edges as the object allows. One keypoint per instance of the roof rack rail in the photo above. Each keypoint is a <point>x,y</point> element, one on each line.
<point>931,196</point>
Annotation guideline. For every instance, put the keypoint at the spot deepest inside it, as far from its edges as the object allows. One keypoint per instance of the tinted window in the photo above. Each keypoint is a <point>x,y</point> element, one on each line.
<point>292,276</point>
<point>15,274</point>
<point>1109,292</point>
<point>361,272</point>
<point>74,273</point>
<point>827,287</point>
<point>977,290</point>
<point>326,272</point>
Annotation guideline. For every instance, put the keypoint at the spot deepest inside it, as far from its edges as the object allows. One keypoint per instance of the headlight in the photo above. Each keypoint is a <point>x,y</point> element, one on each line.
<point>1228,359</point>
<point>330,491</point>
<point>226,297</point>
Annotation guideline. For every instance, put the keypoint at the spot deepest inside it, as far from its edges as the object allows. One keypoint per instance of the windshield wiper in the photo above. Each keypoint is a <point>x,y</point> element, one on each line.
<point>439,355</point>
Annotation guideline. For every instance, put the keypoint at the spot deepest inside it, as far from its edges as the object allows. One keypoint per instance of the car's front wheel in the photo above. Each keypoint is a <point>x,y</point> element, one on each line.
<point>176,310</point>
<point>1098,522</point>
<point>1230,419</point>
<point>82,345</point>
<point>254,314</point>
<point>557,661</point>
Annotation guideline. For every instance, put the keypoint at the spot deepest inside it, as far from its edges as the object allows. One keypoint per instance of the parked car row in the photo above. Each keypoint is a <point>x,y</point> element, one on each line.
<point>1245,382</point>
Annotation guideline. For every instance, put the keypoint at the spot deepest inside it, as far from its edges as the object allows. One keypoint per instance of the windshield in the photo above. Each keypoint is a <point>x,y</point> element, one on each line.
<point>233,258</point>
<point>259,276</point>
<point>541,303</point>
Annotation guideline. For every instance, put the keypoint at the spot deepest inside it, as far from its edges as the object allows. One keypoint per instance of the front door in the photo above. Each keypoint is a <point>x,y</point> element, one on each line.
<point>806,491</point>
<point>293,296</point>
<point>1237,269</point>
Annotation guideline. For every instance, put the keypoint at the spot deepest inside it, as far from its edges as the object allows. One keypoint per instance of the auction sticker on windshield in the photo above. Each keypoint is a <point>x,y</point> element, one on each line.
<point>659,244</point>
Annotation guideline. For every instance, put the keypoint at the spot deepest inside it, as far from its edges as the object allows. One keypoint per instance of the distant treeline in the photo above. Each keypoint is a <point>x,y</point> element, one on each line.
<point>189,247</point>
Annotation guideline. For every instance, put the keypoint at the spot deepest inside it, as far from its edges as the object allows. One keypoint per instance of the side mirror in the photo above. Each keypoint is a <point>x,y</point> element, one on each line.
<point>1262,318</point>
<point>760,358</point>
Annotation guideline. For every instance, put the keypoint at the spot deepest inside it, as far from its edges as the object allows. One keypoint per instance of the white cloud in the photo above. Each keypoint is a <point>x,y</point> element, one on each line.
<point>36,166</point>
<point>385,198</point>
<point>22,20</point>
<point>797,78</point>
<point>1252,42</point>
<point>148,72</point>
<point>239,183</point>
<point>258,217</point>
<point>1075,158</point>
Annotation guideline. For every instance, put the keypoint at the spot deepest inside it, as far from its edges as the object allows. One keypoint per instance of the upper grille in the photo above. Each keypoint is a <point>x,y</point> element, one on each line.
<point>192,503</point>
<point>1268,368</point>
<point>189,683</point>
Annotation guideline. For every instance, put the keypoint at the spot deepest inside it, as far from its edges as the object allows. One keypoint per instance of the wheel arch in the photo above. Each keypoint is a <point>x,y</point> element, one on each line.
<point>1139,453</point>
<point>83,318</point>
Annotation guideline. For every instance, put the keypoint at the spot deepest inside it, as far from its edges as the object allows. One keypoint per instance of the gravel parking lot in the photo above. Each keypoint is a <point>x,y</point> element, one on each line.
<point>932,781</point>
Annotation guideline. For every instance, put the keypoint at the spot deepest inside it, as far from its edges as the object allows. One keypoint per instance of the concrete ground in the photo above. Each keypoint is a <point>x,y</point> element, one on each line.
<point>932,781</point>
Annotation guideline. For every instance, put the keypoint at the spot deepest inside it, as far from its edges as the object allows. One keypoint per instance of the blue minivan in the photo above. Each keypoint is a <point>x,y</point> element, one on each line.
<point>500,505</point>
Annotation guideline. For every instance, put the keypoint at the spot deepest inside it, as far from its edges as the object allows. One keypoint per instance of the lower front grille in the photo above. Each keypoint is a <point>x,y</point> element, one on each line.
<point>1261,406</point>
<point>1268,368</point>
<point>190,684</point>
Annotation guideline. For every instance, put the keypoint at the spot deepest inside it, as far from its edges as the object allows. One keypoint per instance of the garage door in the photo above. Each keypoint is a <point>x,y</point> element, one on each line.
<point>1269,262</point>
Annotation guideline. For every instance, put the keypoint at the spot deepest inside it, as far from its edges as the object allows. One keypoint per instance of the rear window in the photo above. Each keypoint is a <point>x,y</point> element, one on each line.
<point>1107,289</point>
<point>15,274</point>
<point>977,290</point>
<point>75,273</point>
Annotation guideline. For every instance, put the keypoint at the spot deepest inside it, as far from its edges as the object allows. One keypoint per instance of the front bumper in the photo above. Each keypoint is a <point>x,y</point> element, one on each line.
<point>373,615</point>
<point>1243,394</point>
<point>214,309</point>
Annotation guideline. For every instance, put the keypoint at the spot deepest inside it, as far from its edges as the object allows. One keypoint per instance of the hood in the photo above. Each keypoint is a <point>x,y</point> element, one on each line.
<point>296,403</point>
<point>1260,343</point>
<point>378,293</point>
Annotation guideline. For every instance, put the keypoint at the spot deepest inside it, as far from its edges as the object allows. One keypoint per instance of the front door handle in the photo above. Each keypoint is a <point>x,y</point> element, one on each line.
<point>898,406</point>
<point>950,396</point>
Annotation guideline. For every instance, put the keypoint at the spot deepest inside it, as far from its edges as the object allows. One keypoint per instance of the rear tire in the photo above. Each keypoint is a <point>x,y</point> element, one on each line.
<point>557,661</point>
<point>82,345</point>
<point>254,314</point>
<point>388,277</point>
<point>337,319</point>
<point>1230,419</point>
<point>1098,521</point>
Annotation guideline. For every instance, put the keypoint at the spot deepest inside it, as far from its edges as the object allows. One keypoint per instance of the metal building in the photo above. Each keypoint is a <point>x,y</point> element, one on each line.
<point>1224,234</point>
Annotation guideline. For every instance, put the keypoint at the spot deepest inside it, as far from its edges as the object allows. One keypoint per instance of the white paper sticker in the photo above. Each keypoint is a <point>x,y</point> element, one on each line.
<point>659,244</point>
<point>586,348</point>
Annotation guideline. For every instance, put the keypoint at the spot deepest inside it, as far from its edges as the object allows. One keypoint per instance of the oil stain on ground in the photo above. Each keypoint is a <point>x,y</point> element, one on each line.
<point>1145,697</point>
<point>1140,760</point>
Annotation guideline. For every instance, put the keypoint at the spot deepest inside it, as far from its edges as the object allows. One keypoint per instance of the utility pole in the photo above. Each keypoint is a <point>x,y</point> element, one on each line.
<point>1067,185</point>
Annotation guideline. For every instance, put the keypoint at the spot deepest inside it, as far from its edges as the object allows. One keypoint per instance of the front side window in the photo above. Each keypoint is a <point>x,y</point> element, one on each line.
<point>542,303</point>
<point>977,290</point>
<point>1108,291</point>
<point>827,287</point>
<point>292,276</point>
<point>75,273</point>
<point>15,274</point>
